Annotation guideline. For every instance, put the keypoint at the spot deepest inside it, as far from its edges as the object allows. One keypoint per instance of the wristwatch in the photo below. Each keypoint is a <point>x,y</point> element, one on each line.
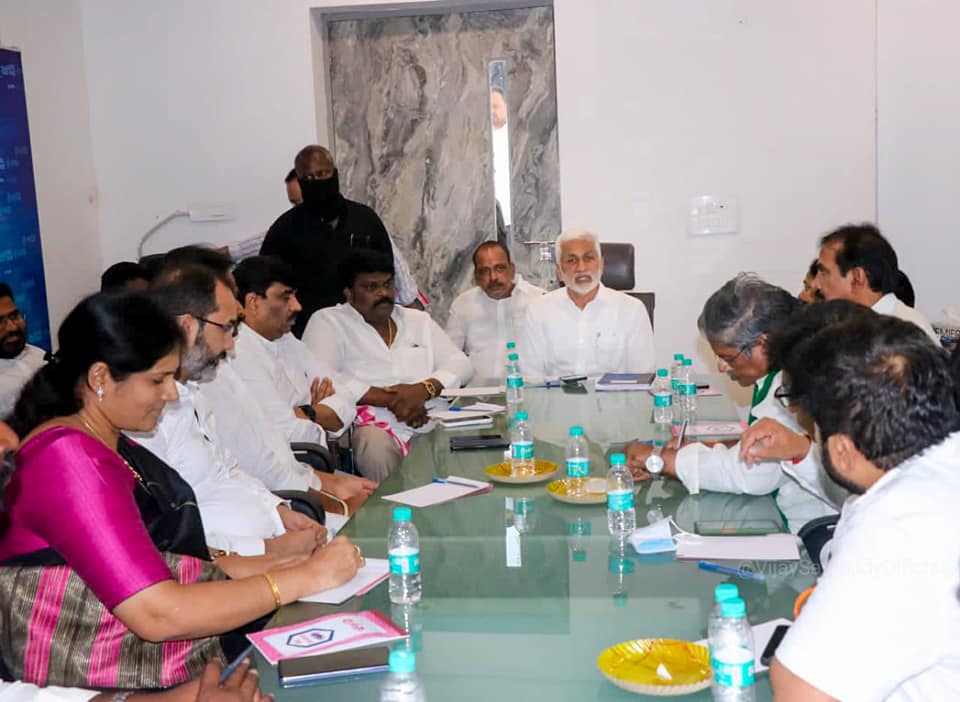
<point>309,411</point>
<point>432,389</point>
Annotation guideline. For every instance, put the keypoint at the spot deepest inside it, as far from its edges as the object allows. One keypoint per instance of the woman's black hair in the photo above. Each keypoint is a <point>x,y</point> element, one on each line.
<point>125,330</point>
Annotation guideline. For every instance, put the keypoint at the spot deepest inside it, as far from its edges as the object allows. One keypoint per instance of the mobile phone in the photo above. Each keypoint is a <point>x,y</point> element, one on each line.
<point>572,379</point>
<point>771,647</point>
<point>312,670</point>
<point>484,441</point>
<point>738,527</point>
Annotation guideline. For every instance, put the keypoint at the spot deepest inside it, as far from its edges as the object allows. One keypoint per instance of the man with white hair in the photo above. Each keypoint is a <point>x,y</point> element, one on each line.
<point>584,328</point>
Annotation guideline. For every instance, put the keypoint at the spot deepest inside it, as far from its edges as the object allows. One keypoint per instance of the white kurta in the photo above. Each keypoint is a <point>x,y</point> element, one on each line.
<point>14,374</point>
<point>891,305</point>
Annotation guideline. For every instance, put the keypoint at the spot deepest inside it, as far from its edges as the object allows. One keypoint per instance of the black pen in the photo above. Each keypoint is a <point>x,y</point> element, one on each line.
<point>229,670</point>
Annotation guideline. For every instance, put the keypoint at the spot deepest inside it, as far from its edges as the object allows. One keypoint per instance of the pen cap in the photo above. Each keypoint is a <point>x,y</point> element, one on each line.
<point>402,661</point>
<point>733,608</point>
<point>725,591</point>
<point>576,431</point>
<point>618,459</point>
<point>401,514</point>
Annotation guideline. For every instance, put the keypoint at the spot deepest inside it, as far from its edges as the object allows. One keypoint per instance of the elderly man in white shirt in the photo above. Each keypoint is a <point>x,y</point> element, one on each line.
<point>857,263</point>
<point>484,318</point>
<point>884,620</point>
<point>401,356</point>
<point>18,359</point>
<point>738,321</point>
<point>584,328</point>
<point>239,513</point>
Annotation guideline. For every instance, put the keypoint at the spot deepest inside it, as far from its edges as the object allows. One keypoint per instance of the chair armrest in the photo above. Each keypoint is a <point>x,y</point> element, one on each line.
<point>316,456</point>
<point>304,503</point>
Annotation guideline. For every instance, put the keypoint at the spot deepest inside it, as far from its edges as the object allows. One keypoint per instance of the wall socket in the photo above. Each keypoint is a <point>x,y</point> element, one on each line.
<point>212,211</point>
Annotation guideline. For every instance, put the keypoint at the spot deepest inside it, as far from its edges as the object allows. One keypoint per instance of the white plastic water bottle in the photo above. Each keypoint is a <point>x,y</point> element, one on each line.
<point>521,446</point>
<point>514,383</point>
<point>662,398</point>
<point>403,547</point>
<point>721,593</point>
<point>402,684</point>
<point>731,654</point>
<point>675,371</point>
<point>688,389</point>
<point>621,515</point>
<point>578,462</point>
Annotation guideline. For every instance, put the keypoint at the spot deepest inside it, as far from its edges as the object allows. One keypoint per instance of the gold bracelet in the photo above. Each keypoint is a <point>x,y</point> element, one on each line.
<point>273,587</point>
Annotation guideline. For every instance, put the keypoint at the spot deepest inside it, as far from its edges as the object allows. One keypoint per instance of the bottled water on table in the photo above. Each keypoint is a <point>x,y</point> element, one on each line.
<point>578,462</point>
<point>688,390</point>
<point>675,372</point>
<point>731,654</point>
<point>403,548</point>
<point>402,684</point>
<point>621,515</point>
<point>521,446</point>
<point>514,383</point>
<point>722,592</point>
<point>662,398</point>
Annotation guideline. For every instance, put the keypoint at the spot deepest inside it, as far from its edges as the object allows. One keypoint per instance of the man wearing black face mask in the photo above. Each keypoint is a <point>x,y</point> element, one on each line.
<point>315,236</point>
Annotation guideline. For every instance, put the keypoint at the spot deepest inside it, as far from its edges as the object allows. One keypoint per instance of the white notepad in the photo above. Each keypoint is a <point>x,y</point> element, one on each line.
<point>770,547</point>
<point>478,391</point>
<point>374,571</point>
<point>439,492</point>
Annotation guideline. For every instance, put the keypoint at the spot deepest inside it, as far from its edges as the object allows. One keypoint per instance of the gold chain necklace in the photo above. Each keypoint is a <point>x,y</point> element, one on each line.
<point>97,434</point>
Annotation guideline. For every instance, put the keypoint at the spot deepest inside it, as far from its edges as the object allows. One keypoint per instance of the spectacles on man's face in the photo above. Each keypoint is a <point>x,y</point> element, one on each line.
<point>14,317</point>
<point>733,359</point>
<point>232,327</point>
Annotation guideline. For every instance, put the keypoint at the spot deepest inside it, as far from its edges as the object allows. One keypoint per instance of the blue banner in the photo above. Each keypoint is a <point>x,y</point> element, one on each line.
<point>21,259</point>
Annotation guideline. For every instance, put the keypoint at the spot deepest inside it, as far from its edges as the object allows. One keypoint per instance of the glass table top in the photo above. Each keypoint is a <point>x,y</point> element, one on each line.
<point>521,592</point>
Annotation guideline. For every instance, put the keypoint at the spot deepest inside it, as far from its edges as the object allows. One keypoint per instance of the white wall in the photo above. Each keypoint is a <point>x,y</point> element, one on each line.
<point>48,35</point>
<point>771,102</point>
<point>919,144</point>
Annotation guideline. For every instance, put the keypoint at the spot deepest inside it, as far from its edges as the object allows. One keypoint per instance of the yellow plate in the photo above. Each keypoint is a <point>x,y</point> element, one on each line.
<point>657,666</point>
<point>500,473</point>
<point>596,491</point>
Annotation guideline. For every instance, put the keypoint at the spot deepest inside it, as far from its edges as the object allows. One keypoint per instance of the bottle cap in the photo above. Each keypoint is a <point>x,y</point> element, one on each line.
<point>579,556</point>
<point>521,417</point>
<point>402,661</point>
<point>576,431</point>
<point>733,608</point>
<point>618,459</point>
<point>402,514</point>
<point>688,361</point>
<point>725,591</point>
<point>678,357</point>
<point>513,357</point>
<point>661,372</point>
<point>511,345</point>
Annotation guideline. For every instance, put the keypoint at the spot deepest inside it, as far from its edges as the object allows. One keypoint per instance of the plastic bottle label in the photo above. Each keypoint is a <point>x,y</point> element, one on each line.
<point>406,564</point>
<point>514,381</point>
<point>578,467</point>
<point>522,450</point>
<point>688,389</point>
<point>619,501</point>
<point>664,399</point>
<point>733,674</point>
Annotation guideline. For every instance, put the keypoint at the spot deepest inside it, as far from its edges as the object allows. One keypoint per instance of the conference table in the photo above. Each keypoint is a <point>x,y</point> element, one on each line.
<point>522,592</point>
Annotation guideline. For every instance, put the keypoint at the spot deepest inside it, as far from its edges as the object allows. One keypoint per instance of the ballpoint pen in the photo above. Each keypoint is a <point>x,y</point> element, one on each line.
<point>740,573</point>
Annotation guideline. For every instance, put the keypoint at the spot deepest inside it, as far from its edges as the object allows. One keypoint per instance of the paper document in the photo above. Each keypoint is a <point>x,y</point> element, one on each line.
<point>709,392</point>
<point>714,429</point>
<point>334,632</point>
<point>436,493</point>
<point>458,414</point>
<point>478,391</point>
<point>761,635</point>
<point>487,407</point>
<point>334,523</point>
<point>374,572</point>
<point>770,547</point>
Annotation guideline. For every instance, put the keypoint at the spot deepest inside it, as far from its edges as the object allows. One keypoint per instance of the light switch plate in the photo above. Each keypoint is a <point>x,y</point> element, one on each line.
<point>711,214</point>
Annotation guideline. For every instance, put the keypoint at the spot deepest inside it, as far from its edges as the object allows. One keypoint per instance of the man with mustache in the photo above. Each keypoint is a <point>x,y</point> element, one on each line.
<point>483,319</point>
<point>401,357</point>
<point>18,359</point>
<point>314,237</point>
<point>284,389</point>
<point>584,328</point>
<point>239,513</point>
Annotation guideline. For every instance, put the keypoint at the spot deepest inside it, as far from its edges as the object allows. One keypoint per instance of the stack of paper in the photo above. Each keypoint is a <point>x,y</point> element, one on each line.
<point>478,391</point>
<point>373,572</point>
<point>440,491</point>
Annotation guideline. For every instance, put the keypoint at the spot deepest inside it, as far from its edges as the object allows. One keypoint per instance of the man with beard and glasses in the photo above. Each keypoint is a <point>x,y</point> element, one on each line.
<point>18,359</point>
<point>286,393</point>
<point>484,318</point>
<point>738,321</point>
<point>884,619</point>
<point>400,358</point>
<point>584,328</point>
<point>314,237</point>
<point>239,513</point>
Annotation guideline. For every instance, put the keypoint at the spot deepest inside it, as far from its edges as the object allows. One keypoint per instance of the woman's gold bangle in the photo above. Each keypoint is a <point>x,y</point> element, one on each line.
<point>273,587</point>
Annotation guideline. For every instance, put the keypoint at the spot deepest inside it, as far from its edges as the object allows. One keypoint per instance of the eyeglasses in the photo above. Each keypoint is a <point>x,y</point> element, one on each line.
<point>232,327</point>
<point>15,316</point>
<point>731,361</point>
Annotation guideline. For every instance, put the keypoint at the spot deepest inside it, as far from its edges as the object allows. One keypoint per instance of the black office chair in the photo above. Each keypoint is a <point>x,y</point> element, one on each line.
<point>304,503</point>
<point>314,455</point>
<point>816,536</point>
<point>618,273</point>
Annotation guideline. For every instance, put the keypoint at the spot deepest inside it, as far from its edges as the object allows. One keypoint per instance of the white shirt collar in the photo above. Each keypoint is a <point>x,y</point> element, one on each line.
<point>249,333</point>
<point>602,297</point>
<point>886,304</point>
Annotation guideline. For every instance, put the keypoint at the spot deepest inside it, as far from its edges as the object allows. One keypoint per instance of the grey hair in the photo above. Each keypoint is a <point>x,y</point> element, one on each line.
<point>573,235</point>
<point>744,309</point>
<point>303,157</point>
